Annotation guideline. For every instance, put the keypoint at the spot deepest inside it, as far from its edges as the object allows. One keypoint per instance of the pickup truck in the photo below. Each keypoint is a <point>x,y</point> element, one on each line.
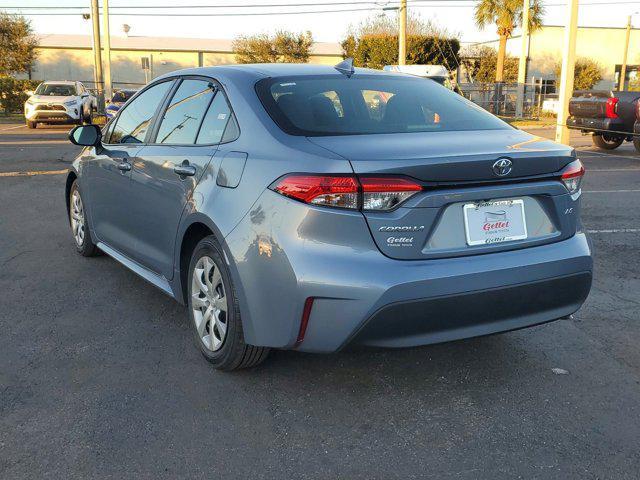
<point>611,117</point>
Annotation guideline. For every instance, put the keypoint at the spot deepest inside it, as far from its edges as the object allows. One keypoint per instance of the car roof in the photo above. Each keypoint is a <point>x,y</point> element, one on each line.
<point>261,70</point>
<point>60,82</point>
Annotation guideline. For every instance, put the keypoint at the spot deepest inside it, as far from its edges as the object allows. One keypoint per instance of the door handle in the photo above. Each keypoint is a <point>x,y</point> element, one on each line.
<point>124,166</point>
<point>184,169</point>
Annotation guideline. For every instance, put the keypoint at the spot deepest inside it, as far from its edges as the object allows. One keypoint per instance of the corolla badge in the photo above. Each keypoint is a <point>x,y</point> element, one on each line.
<point>401,228</point>
<point>502,167</point>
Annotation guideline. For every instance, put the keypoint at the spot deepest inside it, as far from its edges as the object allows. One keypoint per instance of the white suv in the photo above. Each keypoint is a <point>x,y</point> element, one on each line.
<point>59,102</point>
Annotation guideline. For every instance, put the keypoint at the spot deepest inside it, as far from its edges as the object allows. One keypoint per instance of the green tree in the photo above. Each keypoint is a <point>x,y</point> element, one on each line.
<point>587,73</point>
<point>374,43</point>
<point>481,62</point>
<point>506,15</point>
<point>284,46</point>
<point>17,45</point>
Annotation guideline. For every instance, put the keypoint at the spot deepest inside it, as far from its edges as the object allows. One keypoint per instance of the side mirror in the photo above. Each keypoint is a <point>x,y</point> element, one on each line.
<point>29,92</point>
<point>86,135</point>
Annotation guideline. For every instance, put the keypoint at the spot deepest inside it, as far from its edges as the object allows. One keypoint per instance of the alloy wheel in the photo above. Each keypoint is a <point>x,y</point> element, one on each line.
<point>77,218</point>
<point>209,303</point>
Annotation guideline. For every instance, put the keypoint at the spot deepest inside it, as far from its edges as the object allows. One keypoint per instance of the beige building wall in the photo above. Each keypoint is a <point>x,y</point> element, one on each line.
<point>603,45</point>
<point>64,63</point>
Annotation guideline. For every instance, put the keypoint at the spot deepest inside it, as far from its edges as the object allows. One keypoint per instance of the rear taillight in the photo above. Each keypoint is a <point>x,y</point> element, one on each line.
<point>385,193</point>
<point>328,190</point>
<point>572,176</point>
<point>611,108</point>
<point>347,191</point>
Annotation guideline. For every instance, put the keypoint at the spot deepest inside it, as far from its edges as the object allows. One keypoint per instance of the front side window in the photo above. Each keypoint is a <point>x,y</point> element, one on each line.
<point>135,119</point>
<point>184,114</point>
<point>369,104</point>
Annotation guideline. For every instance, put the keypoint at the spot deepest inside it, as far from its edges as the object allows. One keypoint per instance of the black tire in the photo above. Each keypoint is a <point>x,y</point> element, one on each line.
<point>31,124</point>
<point>636,144</point>
<point>606,142</point>
<point>234,353</point>
<point>86,247</point>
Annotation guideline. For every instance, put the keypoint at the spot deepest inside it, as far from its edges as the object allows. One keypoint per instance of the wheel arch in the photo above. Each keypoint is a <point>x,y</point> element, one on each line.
<point>72,176</point>
<point>195,228</point>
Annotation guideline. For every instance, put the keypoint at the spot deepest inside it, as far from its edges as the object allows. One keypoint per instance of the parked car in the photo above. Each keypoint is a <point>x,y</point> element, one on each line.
<point>285,213</point>
<point>437,73</point>
<point>59,102</point>
<point>120,97</point>
<point>609,116</point>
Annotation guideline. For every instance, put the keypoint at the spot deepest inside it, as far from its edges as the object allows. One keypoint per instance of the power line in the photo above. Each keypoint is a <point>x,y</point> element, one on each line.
<point>381,3</point>
<point>413,4</point>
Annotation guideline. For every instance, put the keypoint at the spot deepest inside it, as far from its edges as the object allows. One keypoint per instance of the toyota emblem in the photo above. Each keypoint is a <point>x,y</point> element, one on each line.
<point>502,167</point>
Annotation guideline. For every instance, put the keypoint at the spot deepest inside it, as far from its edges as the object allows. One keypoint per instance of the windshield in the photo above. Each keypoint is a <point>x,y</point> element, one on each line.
<point>56,89</point>
<point>365,104</point>
<point>122,96</point>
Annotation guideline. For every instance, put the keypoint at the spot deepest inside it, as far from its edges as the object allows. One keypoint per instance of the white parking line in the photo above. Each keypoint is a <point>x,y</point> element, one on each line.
<point>589,170</point>
<point>616,230</point>
<point>33,173</point>
<point>11,128</point>
<point>611,191</point>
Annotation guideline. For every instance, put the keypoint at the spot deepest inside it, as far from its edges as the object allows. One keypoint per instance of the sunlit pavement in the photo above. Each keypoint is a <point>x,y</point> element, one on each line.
<point>99,378</point>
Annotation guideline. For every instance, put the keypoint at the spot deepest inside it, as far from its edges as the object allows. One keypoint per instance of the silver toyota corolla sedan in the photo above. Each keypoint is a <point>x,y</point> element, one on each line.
<point>311,208</point>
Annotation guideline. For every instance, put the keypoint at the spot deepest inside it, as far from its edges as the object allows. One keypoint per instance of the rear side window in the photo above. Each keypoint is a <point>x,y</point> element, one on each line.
<point>184,114</point>
<point>215,121</point>
<point>135,119</point>
<point>368,104</point>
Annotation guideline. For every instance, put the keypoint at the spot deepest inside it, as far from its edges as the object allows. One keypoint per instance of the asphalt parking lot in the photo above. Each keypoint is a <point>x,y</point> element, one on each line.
<point>99,377</point>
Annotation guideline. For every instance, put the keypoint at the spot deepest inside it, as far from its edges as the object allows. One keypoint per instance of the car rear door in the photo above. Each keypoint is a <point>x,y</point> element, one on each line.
<point>167,170</point>
<point>107,174</point>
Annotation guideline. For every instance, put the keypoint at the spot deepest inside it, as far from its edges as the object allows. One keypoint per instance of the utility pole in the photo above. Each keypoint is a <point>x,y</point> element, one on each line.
<point>108,92</point>
<point>524,55</point>
<point>402,36</point>
<point>623,70</point>
<point>97,60</point>
<point>568,69</point>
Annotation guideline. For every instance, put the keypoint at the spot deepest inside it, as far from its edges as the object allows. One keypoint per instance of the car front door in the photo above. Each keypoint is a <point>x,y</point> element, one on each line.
<point>107,174</point>
<point>168,169</point>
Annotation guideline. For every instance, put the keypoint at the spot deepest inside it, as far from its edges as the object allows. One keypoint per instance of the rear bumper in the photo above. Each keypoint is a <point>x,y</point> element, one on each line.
<point>596,124</point>
<point>414,303</point>
<point>481,312</point>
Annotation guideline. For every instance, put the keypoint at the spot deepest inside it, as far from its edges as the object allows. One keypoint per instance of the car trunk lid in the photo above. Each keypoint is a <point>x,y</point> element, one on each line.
<point>448,157</point>
<point>457,170</point>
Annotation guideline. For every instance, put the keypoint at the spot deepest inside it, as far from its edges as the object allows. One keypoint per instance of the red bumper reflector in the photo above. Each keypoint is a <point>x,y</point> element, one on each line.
<point>304,321</point>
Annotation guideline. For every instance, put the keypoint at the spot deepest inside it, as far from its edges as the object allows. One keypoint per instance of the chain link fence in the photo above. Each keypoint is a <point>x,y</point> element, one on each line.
<point>540,97</point>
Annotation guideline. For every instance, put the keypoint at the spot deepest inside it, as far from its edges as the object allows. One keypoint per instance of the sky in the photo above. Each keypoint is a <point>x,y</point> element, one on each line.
<point>454,15</point>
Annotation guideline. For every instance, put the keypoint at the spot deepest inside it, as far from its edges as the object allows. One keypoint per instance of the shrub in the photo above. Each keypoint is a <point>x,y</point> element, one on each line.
<point>13,93</point>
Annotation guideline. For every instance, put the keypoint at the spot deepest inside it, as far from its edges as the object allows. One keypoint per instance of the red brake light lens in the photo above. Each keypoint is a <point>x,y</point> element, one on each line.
<point>572,176</point>
<point>347,191</point>
<point>328,190</point>
<point>611,108</point>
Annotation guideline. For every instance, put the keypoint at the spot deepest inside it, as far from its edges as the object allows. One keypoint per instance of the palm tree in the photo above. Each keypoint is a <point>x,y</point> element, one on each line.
<point>506,15</point>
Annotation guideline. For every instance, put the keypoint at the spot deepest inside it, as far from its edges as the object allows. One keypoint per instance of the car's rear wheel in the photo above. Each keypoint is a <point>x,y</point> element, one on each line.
<point>606,142</point>
<point>31,124</point>
<point>79,223</point>
<point>214,311</point>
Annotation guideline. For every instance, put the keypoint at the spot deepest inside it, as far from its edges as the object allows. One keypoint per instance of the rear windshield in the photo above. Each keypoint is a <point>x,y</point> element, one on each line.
<point>55,89</point>
<point>363,104</point>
